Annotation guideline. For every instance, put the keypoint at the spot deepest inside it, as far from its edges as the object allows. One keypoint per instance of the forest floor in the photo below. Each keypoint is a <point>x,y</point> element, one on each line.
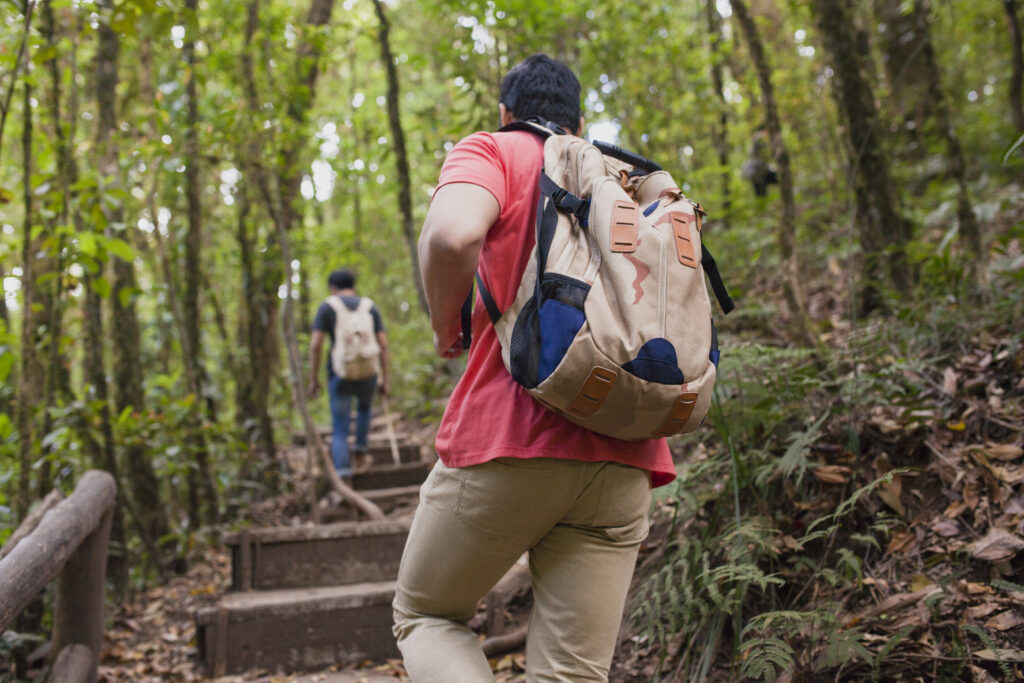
<point>941,597</point>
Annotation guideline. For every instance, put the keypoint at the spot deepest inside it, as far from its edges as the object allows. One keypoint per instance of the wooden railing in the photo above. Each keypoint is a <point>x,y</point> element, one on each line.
<point>67,542</point>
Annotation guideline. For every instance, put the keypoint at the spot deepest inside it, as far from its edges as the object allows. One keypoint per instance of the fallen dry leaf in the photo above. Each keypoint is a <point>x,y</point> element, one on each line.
<point>1002,451</point>
<point>945,527</point>
<point>919,582</point>
<point>1004,621</point>
<point>981,611</point>
<point>949,381</point>
<point>998,544</point>
<point>979,675</point>
<point>1000,655</point>
<point>832,474</point>
<point>902,541</point>
<point>1010,475</point>
<point>954,509</point>
<point>890,495</point>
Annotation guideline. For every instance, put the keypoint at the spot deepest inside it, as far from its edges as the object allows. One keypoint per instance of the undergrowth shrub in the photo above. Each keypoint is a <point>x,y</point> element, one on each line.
<point>725,593</point>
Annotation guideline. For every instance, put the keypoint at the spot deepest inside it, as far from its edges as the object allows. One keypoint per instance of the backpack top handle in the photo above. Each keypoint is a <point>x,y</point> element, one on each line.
<point>632,158</point>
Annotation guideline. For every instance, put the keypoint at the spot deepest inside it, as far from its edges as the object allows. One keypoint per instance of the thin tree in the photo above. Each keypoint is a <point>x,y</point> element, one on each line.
<point>279,193</point>
<point>970,231</point>
<point>882,229</point>
<point>19,60</point>
<point>1017,60</point>
<point>30,386</point>
<point>720,129</point>
<point>401,156</point>
<point>201,483</point>
<point>786,232</point>
<point>125,334</point>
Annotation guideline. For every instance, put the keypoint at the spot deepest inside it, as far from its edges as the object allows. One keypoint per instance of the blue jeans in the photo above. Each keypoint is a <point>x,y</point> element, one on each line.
<point>341,392</point>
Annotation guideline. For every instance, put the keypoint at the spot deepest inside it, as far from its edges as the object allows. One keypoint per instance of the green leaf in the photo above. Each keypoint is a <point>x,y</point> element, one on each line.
<point>6,363</point>
<point>101,286</point>
<point>119,248</point>
<point>125,295</point>
<point>87,243</point>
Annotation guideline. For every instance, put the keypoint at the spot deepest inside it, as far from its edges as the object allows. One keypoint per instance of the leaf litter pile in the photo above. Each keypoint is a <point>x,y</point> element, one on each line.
<point>932,534</point>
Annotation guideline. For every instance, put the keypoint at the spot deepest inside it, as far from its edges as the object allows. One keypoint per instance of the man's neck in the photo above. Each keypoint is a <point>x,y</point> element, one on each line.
<point>348,291</point>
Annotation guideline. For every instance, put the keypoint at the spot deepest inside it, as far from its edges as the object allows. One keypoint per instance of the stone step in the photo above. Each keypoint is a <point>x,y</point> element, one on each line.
<point>296,630</point>
<point>390,476</point>
<point>313,556</point>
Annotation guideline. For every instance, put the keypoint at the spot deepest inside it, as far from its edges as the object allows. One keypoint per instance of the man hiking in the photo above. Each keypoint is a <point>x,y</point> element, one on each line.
<point>513,476</point>
<point>358,352</point>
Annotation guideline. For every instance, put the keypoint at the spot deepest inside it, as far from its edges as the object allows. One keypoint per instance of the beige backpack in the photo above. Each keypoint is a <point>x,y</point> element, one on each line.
<point>355,351</point>
<point>616,334</point>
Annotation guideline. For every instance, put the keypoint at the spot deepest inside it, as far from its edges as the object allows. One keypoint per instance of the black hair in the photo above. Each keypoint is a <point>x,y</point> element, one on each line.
<point>343,278</point>
<point>542,87</point>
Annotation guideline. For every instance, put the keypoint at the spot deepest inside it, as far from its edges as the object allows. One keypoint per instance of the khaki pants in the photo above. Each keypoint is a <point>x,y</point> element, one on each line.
<point>582,524</point>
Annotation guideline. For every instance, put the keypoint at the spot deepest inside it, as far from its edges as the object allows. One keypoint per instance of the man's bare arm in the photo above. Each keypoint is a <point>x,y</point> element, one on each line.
<point>458,220</point>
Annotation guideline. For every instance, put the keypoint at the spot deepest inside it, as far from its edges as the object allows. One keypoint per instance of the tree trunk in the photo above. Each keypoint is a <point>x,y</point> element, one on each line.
<point>786,231</point>
<point>881,226</point>
<point>720,130</point>
<point>19,59</point>
<point>201,480</point>
<point>1017,59</point>
<point>970,231</point>
<point>30,386</point>
<point>401,157</point>
<point>905,74</point>
<point>257,335</point>
<point>125,335</point>
<point>260,279</point>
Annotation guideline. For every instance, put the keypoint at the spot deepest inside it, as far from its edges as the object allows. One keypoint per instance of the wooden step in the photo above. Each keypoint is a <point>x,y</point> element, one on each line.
<point>382,455</point>
<point>391,476</point>
<point>296,630</point>
<point>312,556</point>
<point>378,434</point>
<point>388,500</point>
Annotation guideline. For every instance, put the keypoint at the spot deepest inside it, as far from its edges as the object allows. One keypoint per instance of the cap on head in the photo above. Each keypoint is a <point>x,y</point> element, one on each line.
<point>343,278</point>
<point>542,87</point>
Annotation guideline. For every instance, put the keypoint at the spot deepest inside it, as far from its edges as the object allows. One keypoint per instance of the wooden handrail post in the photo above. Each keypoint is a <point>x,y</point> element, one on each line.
<point>78,599</point>
<point>69,544</point>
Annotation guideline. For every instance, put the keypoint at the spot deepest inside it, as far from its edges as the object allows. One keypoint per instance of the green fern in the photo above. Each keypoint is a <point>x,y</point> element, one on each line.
<point>1008,586</point>
<point>764,658</point>
<point>890,644</point>
<point>990,643</point>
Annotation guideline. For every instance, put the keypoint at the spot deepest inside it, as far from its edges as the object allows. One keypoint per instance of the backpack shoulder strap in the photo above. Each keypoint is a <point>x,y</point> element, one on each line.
<point>535,125</point>
<point>335,303</point>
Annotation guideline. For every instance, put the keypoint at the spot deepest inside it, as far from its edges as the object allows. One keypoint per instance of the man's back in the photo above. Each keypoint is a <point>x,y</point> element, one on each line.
<point>508,165</point>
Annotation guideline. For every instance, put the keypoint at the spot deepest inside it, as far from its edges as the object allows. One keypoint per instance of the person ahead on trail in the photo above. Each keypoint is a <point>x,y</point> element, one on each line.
<point>513,477</point>
<point>358,351</point>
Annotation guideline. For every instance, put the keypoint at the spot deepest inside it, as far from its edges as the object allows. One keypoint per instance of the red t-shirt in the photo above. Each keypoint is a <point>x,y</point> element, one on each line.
<point>489,415</point>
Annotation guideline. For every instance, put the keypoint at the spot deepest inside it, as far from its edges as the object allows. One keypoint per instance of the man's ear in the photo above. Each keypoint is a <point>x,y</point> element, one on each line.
<point>579,131</point>
<point>504,115</point>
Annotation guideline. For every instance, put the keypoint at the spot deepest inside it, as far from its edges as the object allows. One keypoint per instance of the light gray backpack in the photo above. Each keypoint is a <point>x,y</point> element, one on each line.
<point>611,325</point>
<point>355,351</point>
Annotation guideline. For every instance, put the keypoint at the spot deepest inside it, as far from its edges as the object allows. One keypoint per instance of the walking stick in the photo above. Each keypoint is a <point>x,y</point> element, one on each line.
<point>389,421</point>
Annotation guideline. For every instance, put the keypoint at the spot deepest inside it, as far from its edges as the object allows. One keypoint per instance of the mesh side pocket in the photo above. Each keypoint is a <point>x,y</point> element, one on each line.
<point>541,336</point>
